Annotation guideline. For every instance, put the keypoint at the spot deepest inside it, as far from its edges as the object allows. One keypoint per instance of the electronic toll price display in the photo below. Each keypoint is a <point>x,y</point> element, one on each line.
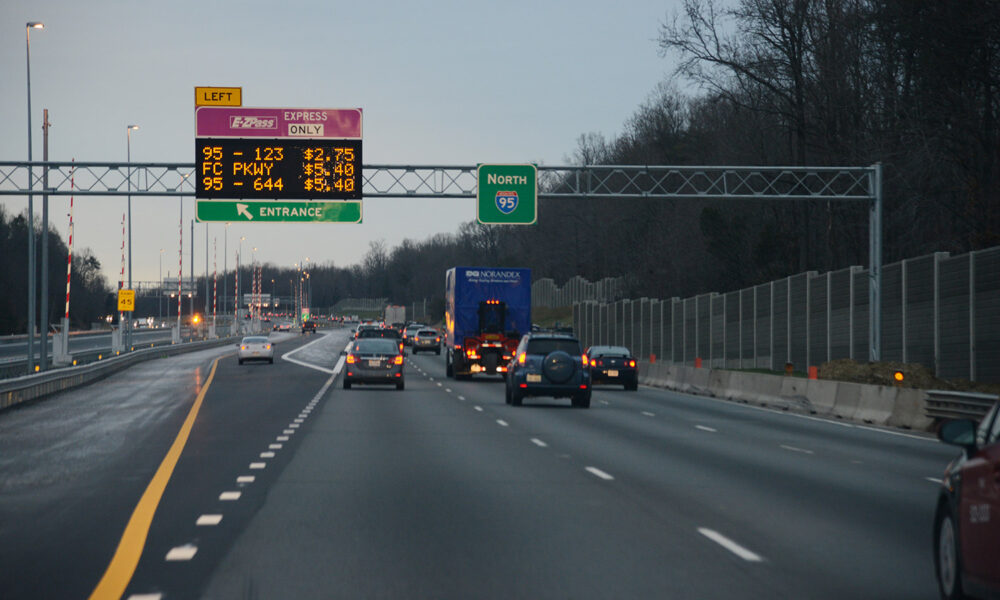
<point>280,169</point>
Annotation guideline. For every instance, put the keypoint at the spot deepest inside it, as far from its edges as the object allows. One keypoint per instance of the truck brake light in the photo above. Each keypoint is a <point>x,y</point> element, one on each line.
<point>521,357</point>
<point>350,359</point>
<point>584,357</point>
<point>398,360</point>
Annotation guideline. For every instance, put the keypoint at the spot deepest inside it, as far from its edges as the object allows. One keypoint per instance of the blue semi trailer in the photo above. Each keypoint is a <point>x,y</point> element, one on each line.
<point>487,310</point>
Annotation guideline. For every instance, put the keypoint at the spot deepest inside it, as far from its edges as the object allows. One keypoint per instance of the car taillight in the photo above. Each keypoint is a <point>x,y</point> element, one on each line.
<point>267,346</point>
<point>631,363</point>
<point>243,347</point>
<point>350,359</point>
<point>437,339</point>
<point>584,357</point>
<point>399,359</point>
<point>521,357</point>
<point>400,346</point>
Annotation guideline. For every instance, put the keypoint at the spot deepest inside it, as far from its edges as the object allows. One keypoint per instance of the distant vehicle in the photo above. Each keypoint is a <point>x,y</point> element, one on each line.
<point>363,327</point>
<point>411,330</point>
<point>486,311</point>
<point>381,332</point>
<point>374,360</point>
<point>395,313</point>
<point>612,364</point>
<point>255,348</point>
<point>308,326</point>
<point>548,364</point>
<point>426,340</point>
<point>967,520</point>
<point>284,326</point>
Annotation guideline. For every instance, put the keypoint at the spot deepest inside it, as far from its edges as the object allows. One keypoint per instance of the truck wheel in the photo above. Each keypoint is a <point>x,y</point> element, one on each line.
<point>449,370</point>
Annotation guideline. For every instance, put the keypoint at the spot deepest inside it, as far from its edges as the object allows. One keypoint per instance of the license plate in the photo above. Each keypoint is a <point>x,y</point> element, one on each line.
<point>374,363</point>
<point>534,378</point>
<point>612,373</point>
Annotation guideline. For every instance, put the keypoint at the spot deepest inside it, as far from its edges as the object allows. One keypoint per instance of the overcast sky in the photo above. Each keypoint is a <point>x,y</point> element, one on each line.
<point>440,83</point>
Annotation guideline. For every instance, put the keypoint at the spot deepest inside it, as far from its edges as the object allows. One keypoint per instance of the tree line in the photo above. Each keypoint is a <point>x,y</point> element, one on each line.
<point>913,85</point>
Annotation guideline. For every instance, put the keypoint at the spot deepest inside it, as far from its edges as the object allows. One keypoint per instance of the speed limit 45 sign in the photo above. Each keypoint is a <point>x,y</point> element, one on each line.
<point>507,194</point>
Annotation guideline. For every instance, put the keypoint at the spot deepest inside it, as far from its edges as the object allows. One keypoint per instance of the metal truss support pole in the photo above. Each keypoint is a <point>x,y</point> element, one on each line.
<point>875,267</point>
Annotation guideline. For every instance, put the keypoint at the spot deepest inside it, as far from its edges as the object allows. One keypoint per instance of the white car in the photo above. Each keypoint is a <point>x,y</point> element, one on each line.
<point>256,348</point>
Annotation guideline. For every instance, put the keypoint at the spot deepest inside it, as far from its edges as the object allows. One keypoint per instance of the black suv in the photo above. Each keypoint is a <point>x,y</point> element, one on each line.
<point>548,364</point>
<point>309,327</point>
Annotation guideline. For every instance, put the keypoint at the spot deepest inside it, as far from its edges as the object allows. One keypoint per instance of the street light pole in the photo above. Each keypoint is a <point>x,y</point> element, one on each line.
<point>31,208</point>
<point>128,156</point>
<point>159,289</point>
<point>44,312</point>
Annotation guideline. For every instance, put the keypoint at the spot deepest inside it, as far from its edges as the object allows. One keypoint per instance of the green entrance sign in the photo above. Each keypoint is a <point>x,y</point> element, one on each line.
<point>507,194</point>
<point>286,211</point>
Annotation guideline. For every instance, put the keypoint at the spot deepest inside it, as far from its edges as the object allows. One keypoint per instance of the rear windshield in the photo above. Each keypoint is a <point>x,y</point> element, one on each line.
<point>376,346</point>
<point>378,333</point>
<point>610,351</point>
<point>545,346</point>
<point>255,340</point>
<point>425,332</point>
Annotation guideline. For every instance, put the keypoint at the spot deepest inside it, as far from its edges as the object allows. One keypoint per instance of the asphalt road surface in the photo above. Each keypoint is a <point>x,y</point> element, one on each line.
<point>306,490</point>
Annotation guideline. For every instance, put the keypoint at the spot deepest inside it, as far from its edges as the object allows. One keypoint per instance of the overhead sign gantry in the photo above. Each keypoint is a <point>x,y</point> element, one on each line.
<point>278,164</point>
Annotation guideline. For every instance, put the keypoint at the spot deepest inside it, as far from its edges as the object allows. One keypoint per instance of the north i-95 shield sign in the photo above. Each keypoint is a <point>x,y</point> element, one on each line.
<point>507,194</point>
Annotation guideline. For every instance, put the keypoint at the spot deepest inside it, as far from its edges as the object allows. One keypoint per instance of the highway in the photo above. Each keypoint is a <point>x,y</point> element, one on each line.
<point>289,486</point>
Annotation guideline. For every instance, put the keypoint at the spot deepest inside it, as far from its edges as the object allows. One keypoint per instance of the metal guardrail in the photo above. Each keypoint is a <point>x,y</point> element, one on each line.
<point>30,387</point>
<point>946,404</point>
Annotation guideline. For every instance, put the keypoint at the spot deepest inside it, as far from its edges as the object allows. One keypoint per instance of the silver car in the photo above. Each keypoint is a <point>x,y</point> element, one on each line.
<point>256,348</point>
<point>374,360</point>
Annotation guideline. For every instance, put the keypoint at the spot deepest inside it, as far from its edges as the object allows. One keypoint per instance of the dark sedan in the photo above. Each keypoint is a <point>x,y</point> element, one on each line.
<point>613,364</point>
<point>374,360</point>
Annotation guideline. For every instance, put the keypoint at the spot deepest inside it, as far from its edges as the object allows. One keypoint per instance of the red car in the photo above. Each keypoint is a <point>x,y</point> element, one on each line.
<point>967,521</point>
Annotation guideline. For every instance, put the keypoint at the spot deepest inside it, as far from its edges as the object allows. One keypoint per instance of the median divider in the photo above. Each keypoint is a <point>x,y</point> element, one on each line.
<point>31,387</point>
<point>875,404</point>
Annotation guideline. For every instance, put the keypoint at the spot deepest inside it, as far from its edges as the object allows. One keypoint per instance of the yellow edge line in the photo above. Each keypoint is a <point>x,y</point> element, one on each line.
<point>119,573</point>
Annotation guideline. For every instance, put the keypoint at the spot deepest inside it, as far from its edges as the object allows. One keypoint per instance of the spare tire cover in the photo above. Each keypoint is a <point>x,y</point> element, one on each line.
<point>558,366</point>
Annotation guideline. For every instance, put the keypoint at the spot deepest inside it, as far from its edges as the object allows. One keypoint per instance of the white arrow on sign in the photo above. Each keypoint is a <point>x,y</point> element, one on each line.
<point>242,209</point>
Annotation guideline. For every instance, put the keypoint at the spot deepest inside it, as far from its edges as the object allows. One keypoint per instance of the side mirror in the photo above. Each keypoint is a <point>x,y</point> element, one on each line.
<point>959,432</point>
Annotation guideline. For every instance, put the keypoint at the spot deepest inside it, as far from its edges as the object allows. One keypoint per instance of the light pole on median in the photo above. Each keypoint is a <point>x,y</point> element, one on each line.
<point>159,290</point>
<point>128,158</point>
<point>31,208</point>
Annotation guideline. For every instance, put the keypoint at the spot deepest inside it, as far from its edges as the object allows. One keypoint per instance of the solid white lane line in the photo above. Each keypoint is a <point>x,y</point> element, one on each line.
<point>245,479</point>
<point>502,423</point>
<point>257,465</point>
<point>274,446</point>
<point>933,480</point>
<point>479,408</point>
<point>708,429</point>
<point>539,443</point>
<point>282,438</point>
<point>648,414</point>
<point>794,449</point>
<point>599,473</point>
<point>730,545</point>
<point>185,552</point>
<point>267,454</point>
<point>208,520</point>
<point>899,433</point>
<point>229,496</point>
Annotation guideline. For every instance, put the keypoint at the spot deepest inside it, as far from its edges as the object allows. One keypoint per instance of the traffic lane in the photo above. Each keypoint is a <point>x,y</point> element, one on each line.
<point>249,426</point>
<point>897,452</point>
<point>816,518</point>
<point>416,493</point>
<point>73,465</point>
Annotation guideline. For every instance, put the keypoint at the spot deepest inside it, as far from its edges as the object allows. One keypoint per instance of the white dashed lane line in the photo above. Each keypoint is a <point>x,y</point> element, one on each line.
<point>501,423</point>
<point>185,552</point>
<point>708,429</point>
<point>730,545</point>
<point>794,449</point>
<point>208,520</point>
<point>267,454</point>
<point>229,496</point>
<point>282,438</point>
<point>462,398</point>
<point>257,465</point>
<point>479,408</point>
<point>274,446</point>
<point>599,473</point>
<point>539,443</point>
<point>934,480</point>
<point>245,479</point>
<point>648,414</point>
